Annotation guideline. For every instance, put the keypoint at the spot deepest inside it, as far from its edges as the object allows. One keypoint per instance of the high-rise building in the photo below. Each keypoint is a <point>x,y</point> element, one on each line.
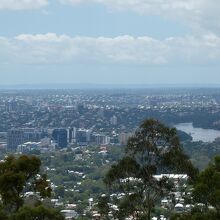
<point>59,135</point>
<point>102,139</point>
<point>19,136</point>
<point>71,135</point>
<point>15,137</point>
<point>124,137</point>
<point>33,135</point>
<point>83,136</point>
<point>114,120</point>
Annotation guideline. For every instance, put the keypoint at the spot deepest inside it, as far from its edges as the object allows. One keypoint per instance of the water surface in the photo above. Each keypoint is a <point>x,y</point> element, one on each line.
<point>199,134</point>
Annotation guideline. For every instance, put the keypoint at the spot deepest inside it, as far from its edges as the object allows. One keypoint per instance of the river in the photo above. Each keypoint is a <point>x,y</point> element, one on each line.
<point>198,134</point>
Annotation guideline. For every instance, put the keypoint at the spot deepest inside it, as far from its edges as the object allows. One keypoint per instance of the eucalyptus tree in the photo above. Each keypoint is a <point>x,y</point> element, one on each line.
<point>154,149</point>
<point>17,177</point>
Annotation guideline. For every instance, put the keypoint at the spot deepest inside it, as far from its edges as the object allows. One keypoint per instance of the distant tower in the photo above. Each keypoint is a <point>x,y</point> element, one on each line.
<point>70,135</point>
<point>102,139</point>
<point>124,137</point>
<point>60,136</point>
<point>114,120</point>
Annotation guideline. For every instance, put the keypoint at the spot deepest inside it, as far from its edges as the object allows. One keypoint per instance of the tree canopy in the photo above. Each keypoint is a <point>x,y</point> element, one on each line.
<point>206,195</point>
<point>207,187</point>
<point>18,176</point>
<point>154,149</point>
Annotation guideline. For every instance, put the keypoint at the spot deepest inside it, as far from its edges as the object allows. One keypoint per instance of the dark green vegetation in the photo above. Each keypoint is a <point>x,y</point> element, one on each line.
<point>207,187</point>
<point>18,176</point>
<point>154,149</point>
<point>197,214</point>
<point>201,154</point>
<point>207,192</point>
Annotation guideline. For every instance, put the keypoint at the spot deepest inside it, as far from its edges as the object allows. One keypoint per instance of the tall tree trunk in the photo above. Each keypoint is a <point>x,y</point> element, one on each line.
<point>149,214</point>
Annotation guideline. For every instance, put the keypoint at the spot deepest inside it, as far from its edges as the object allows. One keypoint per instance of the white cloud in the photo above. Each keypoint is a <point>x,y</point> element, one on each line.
<point>196,13</point>
<point>62,49</point>
<point>22,4</point>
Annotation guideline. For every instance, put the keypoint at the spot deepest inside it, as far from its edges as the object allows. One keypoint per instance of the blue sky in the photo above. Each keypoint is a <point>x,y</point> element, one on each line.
<point>109,41</point>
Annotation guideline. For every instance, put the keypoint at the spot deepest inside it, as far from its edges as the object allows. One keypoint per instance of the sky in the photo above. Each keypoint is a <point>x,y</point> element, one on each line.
<point>109,42</point>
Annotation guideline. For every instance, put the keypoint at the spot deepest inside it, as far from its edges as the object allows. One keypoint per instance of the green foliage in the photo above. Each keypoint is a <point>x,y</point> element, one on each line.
<point>62,169</point>
<point>18,176</point>
<point>41,185</point>
<point>103,206</point>
<point>207,187</point>
<point>207,192</point>
<point>154,149</point>
<point>197,215</point>
<point>3,215</point>
<point>201,154</point>
<point>39,213</point>
<point>60,191</point>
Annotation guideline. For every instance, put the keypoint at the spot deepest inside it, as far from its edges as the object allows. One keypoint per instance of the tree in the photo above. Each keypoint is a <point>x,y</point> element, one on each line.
<point>206,193</point>
<point>154,149</point>
<point>18,176</point>
<point>37,213</point>
<point>207,186</point>
<point>60,191</point>
<point>103,206</point>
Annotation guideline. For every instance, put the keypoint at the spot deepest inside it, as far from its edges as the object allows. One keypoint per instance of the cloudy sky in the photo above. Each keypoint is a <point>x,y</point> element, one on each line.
<point>109,41</point>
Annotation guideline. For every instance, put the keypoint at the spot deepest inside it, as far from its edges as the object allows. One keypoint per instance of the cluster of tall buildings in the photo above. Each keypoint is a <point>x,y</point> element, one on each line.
<point>60,137</point>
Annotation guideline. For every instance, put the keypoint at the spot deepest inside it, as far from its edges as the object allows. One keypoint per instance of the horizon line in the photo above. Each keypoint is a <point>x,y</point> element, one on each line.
<point>107,85</point>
